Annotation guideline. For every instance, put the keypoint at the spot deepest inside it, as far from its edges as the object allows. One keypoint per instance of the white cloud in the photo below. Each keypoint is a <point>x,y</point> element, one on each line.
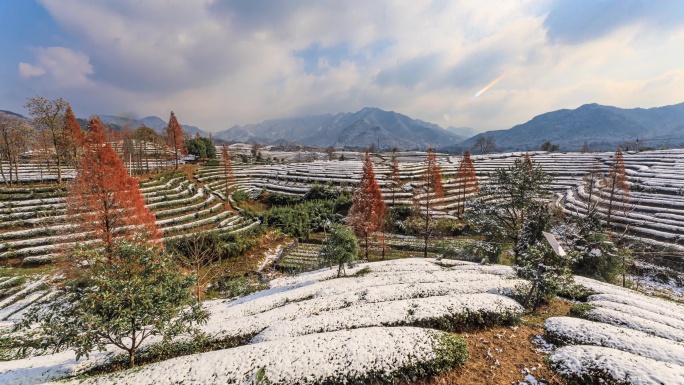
<point>27,71</point>
<point>217,63</point>
<point>64,67</point>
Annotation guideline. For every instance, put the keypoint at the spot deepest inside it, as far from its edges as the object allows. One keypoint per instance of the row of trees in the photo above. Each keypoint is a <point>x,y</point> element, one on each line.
<point>53,138</point>
<point>368,215</point>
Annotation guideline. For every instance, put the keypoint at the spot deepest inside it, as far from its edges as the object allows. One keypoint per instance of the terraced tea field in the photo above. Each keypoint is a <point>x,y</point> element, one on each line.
<point>655,212</point>
<point>34,225</point>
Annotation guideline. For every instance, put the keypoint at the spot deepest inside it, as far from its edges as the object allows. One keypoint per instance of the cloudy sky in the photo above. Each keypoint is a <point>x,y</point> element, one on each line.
<point>217,62</point>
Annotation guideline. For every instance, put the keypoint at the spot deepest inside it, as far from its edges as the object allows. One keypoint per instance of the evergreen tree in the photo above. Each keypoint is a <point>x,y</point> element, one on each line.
<point>467,180</point>
<point>368,209</point>
<point>510,194</point>
<point>594,255</point>
<point>340,247</point>
<point>537,262</point>
<point>122,299</point>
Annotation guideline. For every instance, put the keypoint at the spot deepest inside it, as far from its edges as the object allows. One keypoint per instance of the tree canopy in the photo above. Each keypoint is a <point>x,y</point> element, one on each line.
<point>104,199</point>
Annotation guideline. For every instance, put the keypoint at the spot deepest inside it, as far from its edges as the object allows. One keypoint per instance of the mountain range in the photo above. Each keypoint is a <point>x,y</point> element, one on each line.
<point>361,129</point>
<point>602,127</point>
<point>150,121</point>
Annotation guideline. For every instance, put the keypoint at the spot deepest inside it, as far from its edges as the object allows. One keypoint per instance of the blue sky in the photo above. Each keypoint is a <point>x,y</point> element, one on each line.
<point>222,62</point>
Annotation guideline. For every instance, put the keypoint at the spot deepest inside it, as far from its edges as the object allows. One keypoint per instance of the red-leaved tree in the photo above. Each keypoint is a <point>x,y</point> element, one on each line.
<point>368,209</point>
<point>106,201</point>
<point>228,175</point>
<point>74,137</point>
<point>615,188</point>
<point>466,178</point>
<point>431,189</point>
<point>174,138</point>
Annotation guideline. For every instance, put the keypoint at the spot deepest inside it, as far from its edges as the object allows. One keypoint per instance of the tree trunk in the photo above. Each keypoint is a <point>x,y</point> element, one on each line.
<point>59,168</point>
<point>131,358</point>
<point>2,172</point>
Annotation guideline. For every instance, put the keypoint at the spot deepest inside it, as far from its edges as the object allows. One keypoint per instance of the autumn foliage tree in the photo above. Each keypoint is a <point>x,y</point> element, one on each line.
<point>431,190</point>
<point>467,180</point>
<point>74,138</point>
<point>367,212</point>
<point>105,199</point>
<point>174,138</point>
<point>615,188</point>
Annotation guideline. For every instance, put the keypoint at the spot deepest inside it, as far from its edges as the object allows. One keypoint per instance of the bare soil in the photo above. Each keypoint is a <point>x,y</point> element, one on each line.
<point>505,355</point>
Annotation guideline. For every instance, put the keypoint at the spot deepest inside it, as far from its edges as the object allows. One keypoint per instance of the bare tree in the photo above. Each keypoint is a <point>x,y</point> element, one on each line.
<point>330,150</point>
<point>50,115</point>
<point>197,253</point>
<point>585,148</point>
<point>16,135</point>
<point>592,179</point>
<point>484,145</point>
<point>615,188</point>
<point>394,177</point>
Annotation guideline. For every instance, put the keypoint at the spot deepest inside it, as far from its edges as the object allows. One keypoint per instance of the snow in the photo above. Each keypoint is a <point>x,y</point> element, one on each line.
<point>583,332</point>
<point>402,312</point>
<point>269,257</point>
<point>309,359</point>
<point>639,312</point>
<point>619,318</point>
<point>619,366</point>
<point>41,369</point>
<point>655,305</point>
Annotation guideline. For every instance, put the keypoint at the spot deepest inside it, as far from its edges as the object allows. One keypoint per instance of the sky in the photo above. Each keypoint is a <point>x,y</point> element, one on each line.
<point>486,64</point>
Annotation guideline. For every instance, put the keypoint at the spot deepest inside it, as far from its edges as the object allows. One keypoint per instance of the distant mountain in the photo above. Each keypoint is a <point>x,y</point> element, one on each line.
<point>348,129</point>
<point>602,127</point>
<point>465,132</point>
<point>150,121</point>
<point>13,114</point>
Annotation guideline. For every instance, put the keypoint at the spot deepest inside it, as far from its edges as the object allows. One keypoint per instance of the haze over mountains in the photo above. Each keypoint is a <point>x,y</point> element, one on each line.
<point>358,129</point>
<point>602,127</point>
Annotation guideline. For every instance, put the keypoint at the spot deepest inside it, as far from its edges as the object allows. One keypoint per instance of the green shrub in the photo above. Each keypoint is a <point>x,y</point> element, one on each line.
<point>580,310</point>
<point>575,292</point>
<point>231,287</point>
<point>240,196</point>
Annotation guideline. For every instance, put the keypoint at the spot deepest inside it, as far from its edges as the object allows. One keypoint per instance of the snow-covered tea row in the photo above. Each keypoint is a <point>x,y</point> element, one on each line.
<point>408,292</point>
<point>623,336</point>
<point>331,358</point>
<point>180,207</point>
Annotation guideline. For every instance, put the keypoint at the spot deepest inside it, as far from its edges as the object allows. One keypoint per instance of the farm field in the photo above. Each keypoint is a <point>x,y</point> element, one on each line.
<point>654,214</point>
<point>616,334</point>
<point>401,301</point>
<point>34,225</point>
